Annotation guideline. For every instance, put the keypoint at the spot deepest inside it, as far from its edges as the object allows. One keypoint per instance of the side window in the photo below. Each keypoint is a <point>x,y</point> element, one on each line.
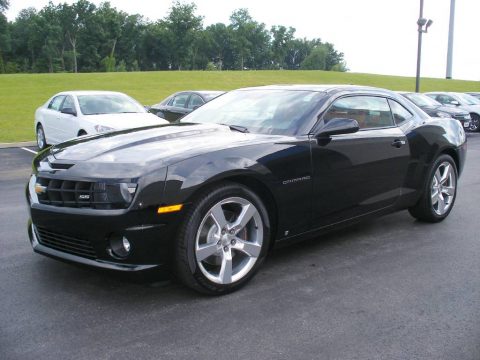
<point>68,103</point>
<point>369,111</point>
<point>400,114</point>
<point>180,100</point>
<point>56,103</point>
<point>195,101</point>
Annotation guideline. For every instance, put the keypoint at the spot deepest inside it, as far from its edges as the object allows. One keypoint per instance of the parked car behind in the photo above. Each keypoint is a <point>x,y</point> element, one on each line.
<point>181,103</point>
<point>462,101</point>
<point>474,94</point>
<point>69,114</point>
<point>435,109</point>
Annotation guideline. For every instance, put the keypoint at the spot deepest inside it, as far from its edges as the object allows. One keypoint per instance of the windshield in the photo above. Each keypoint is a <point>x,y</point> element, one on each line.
<point>212,95</point>
<point>279,112</point>
<point>108,104</point>
<point>468,99</point>
<point>422,100</point>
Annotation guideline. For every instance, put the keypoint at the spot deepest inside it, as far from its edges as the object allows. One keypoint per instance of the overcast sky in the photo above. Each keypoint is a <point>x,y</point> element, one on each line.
<point>376,36</point>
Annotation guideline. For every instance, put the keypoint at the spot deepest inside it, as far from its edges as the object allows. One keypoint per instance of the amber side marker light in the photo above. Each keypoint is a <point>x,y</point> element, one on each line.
<point>169,209</point>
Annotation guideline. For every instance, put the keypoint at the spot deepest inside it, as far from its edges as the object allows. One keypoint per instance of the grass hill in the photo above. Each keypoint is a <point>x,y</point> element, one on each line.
<point>21,94</point>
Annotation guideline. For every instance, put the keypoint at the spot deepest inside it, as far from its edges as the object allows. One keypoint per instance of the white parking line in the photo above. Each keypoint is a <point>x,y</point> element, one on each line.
<point>29,150</point>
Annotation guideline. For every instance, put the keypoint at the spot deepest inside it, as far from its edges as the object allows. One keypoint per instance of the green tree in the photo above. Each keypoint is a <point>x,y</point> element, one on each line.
<point>316,60</point>
<point>74,22</point>
<point>281,39</point>
<point>182,25</point>
<point>4,5</point>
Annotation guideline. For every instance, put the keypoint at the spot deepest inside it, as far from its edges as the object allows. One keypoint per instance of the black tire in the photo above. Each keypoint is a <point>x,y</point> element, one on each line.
<point>474,123</point>
<point>82,133</point>
<point>187,270</point>
<point>424,210</point>
<point>41,139</point>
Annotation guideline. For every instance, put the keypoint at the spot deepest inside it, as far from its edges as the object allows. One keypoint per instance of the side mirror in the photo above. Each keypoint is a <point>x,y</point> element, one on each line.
<point>69,111</point>
<point>455,102</point>
<point>338,126</point>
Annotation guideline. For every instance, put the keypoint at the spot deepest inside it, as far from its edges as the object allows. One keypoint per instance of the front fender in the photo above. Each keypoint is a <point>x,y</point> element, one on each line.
<point>186,177</point>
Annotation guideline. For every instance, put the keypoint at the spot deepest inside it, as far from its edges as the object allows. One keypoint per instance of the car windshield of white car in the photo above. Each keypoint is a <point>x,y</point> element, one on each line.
<point>108,104</point>
<point>469,99</point>
<point>278,112</point>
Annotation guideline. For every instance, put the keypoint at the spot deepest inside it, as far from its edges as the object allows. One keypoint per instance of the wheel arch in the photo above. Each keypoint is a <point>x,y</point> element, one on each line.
<point>453,154</point>
<point>254,184</point>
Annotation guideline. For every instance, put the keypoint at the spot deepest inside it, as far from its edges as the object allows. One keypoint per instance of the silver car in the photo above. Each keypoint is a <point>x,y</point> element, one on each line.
<point>461,101</point>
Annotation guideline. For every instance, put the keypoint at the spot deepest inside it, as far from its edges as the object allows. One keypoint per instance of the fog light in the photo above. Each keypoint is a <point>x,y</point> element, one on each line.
<point>120,246</point>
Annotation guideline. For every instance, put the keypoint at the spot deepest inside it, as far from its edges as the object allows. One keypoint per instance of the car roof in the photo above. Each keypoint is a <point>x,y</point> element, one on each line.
<point>90,92</point>
<point>320,88</point>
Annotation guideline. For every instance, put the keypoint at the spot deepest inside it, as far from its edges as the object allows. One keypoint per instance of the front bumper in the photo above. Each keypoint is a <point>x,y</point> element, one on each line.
<point>84,235</point>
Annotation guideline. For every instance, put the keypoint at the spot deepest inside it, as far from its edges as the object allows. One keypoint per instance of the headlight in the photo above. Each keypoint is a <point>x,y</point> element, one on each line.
<point>443,114</point>
<point>115,196</point>
<point>101,128</point>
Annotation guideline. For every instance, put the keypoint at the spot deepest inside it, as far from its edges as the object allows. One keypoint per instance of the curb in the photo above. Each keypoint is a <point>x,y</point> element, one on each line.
<point>17,144</point>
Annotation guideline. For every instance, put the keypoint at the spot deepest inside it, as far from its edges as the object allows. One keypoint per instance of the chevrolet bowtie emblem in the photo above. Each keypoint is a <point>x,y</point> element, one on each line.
<point>40,189</point>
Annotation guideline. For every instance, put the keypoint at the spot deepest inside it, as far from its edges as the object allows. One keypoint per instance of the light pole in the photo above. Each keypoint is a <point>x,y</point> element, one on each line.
<point>423,25</point>
<point>450,39</point>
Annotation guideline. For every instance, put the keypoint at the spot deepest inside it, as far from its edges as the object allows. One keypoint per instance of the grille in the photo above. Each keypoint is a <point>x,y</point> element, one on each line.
<point>65,243</point>
<point>459,117</point>
<point>78,194</point>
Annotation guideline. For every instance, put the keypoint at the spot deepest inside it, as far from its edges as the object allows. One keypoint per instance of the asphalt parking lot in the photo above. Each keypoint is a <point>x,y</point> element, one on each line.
<point>391,288</point>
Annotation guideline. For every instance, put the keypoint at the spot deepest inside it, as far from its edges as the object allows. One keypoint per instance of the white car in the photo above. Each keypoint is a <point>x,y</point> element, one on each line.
<point>69,114</point>
<point>462,101</point>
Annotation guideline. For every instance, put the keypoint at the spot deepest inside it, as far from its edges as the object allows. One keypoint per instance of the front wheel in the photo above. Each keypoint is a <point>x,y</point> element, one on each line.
<point>223,240</point>
<point>474,123</point>
<point>439,193</point>
<point>41,140</point>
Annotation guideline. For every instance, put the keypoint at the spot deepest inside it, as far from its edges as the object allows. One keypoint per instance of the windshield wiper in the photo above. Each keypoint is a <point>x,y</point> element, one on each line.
<point>238,128</point>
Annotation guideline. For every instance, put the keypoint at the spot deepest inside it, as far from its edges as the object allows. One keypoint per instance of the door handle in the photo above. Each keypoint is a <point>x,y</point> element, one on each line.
<point>398,143</point>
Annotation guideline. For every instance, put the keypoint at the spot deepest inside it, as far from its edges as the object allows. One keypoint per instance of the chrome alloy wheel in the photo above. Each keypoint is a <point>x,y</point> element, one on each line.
<point>40,138</point>
<point>443,188</point>
<point>229,240</point>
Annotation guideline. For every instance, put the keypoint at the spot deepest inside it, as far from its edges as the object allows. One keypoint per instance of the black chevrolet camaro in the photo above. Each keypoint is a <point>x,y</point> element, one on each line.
<point>210,196</point>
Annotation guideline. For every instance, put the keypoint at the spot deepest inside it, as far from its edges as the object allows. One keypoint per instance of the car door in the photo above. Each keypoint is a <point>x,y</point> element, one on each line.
<point>51,123</point>
<point>176,107</point>
<point>354,174</point>
<point>67,123</point>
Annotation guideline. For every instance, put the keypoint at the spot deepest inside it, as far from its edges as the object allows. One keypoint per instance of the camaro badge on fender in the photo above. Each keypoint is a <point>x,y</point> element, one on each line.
<point>303,178</point>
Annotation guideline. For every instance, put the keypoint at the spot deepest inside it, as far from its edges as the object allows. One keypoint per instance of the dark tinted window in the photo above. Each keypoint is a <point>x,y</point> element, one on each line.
<point>369,111</point>
<point>180,100</point>
<point>195,101</point>
<point>444,99</point>
<point>56,102</point>
<point>400,114</point>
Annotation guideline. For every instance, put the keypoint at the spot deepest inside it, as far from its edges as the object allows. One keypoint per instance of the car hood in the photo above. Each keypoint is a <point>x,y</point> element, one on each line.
<point>126,120</point>
<point>163,144</point>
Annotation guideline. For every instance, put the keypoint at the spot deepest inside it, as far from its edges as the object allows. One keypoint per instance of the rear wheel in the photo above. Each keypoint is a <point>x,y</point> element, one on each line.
<point>82,133</point>
<point>474,123</point>
<point>41,140</point>
<point>439,193</point>
<point>223,241</point>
